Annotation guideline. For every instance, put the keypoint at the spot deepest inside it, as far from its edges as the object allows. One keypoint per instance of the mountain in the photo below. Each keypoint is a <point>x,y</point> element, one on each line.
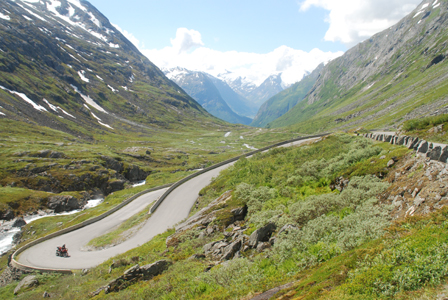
<point>237,103</point>
<point>281,103</point>
<point>256,95</point>
<point>270,87</point>
<point>64,66</point>
<point>396,75</point>
<point>202,88</point>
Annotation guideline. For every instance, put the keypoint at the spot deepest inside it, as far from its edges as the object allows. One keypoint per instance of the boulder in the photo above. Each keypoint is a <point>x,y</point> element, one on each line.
<point>134,274</point>
<point>262,234</point>
<point>444,155</point>
<point>63,203</point>
<point>230,250</point>
<point>239,213</point>
<point>435,153</point>
<point>423,147</point>
<point>27,282</point>
<point>8,215</point>
<point>114,186</point>
<point>19,222</point>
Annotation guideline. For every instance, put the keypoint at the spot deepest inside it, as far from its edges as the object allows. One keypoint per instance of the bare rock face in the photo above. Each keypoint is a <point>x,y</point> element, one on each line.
<point>262,234</point>
<point>27,282</point>
<point>63,203</point>
<point>19,222</point>
<point>135,274</point>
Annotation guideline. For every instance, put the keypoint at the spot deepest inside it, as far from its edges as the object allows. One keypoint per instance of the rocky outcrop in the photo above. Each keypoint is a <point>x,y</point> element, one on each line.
<point>19,222</point>
<point>262,234</point>
<point>27,282</point>
<point>64,203</point>
<point>133,275</point>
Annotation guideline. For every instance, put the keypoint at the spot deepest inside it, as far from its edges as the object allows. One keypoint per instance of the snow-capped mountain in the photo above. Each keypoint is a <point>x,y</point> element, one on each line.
<point>63,65</point>
<point>209,91</point>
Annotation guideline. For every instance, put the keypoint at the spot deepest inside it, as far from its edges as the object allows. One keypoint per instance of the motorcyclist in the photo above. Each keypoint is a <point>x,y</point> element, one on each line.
<point>63,249</point>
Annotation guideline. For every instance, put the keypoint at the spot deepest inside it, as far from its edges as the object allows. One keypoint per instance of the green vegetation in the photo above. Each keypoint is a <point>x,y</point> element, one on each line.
<point>430,128</point>
<point>325,249</point>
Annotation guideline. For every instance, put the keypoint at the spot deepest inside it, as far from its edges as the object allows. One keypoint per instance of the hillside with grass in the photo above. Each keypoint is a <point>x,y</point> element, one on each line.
<point>396,75</point>
<point>336,229</point>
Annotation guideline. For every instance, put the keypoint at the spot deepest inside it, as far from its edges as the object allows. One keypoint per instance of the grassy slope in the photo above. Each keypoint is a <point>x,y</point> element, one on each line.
<point>335,274</point>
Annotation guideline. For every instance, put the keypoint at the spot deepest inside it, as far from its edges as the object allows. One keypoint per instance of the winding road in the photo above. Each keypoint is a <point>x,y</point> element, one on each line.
<point>171,211</point>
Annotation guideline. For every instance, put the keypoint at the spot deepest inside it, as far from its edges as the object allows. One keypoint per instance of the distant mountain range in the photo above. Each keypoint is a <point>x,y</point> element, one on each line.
<point>234,100</point>
<point>63,65</point>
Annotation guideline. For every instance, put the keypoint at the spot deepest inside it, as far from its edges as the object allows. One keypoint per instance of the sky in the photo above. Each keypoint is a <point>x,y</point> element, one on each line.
<point>252,39</point>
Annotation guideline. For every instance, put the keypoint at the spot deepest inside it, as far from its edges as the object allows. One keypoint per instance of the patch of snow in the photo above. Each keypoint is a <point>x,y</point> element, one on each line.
<point>419,22</point>
<point>99,78</point>
<point>369,86</point>
<point>88,100</point>
<point>31,13</point>
<point>227,134</point>
<point>29,19</point>
<point>26,99</point>
<point>56,108</point>
<point>113,90</point>
<point>78,4</point>
<point>2,114</point>
<point>249,147</point>
<point>85,105</point>
<point>70,47</point>
<point>99,121</point>
<point>70,66</point>
<point>425,5</point>
<point>437,5</point>
<point>112,45</point>
<point>82,76</point>
<point>7,18</point>
<point>420,12</point>
<point>2,50</point>
<point>94,20</point>
<point>73,57</point>
<point>125,88</point>
<point>241,137</point>
<point>131,79</point>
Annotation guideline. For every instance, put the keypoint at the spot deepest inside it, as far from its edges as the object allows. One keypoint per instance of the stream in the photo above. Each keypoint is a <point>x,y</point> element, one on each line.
<point>7,232</point>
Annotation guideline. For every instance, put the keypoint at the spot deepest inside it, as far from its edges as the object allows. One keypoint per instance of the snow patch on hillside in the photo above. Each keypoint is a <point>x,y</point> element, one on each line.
<point>57,108</point>
<point>32,13</point>
<point>99,78</point>
<point>88,100</point>
<point>29,19</point>
<point>112,89</point>
<point>227,134</point>
<point>99,121</point>
<point>26,99</point>
<point>82,76</point>
<point>5,17</point>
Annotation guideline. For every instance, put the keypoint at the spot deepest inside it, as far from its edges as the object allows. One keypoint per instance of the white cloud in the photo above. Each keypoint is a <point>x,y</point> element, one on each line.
<point>187,51</point>
<point>352,21</point>
<point>256,67</point>
<point>186,39</point>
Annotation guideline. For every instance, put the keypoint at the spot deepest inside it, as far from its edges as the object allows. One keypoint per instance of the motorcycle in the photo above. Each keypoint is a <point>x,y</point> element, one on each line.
<point>62,252</point>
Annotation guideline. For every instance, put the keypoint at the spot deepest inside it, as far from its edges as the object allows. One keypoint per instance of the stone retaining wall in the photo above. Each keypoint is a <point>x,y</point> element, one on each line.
<point>433,151</point>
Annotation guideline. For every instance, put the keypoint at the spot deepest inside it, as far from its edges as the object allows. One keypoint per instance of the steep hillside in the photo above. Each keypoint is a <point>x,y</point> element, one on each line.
<point>281,103</point>
<point>201,87</point>
<point>63,65</point>
<point>398,74</point>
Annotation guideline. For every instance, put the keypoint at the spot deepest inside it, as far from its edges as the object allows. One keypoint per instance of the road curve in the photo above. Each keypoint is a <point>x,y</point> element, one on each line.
<point>171,211</point>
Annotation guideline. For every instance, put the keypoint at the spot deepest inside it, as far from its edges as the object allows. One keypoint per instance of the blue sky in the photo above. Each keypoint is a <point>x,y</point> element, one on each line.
<point>250,26</point>
<point>247,38</point>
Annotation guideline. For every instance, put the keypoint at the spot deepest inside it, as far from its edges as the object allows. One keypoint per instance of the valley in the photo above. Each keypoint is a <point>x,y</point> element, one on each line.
<point>345,198</point>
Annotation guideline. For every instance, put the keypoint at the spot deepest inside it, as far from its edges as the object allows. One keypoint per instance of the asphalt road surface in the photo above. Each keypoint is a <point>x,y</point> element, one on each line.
<point>171,211</point>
